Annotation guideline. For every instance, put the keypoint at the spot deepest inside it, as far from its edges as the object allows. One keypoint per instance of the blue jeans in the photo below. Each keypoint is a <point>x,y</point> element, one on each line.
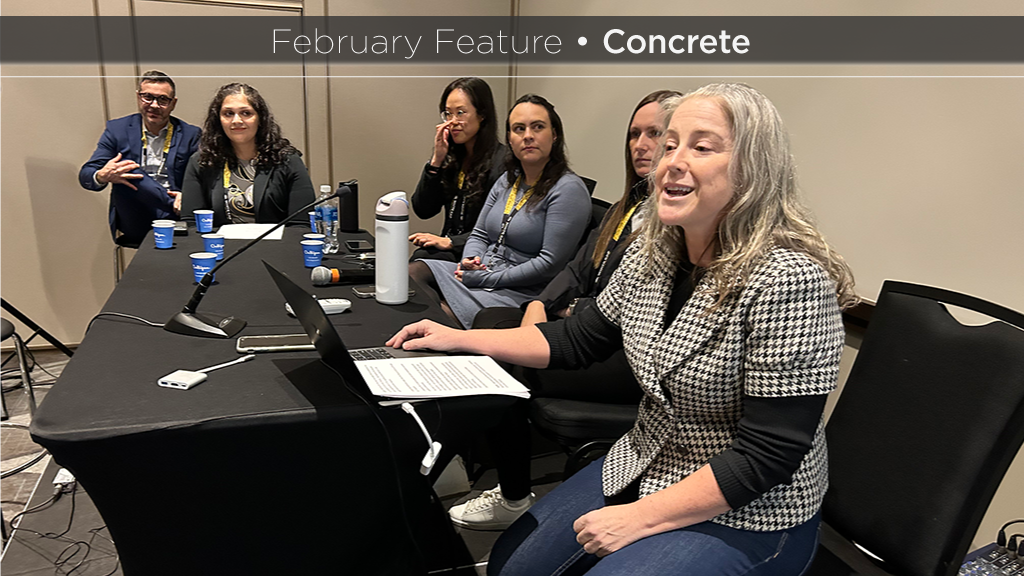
<point>542,542</point>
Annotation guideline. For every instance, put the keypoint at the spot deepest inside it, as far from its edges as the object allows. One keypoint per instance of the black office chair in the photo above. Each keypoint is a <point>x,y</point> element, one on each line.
<point>119,257</point>
<point>929,420</point>
<point>590,183</point>
<point>584,430</point>
<point>598,208</point>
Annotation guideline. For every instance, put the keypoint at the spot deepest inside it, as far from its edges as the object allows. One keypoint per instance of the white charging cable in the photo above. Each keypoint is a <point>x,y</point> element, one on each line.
<point>226,364</point>
<point>186,379</point>
<point>435,447</point>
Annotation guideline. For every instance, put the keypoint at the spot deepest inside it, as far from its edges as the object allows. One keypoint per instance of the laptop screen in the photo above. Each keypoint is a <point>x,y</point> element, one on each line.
<point>321,332</point>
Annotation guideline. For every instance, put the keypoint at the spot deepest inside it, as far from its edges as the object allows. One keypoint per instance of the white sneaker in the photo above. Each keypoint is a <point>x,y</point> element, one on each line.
<point>489,511</point>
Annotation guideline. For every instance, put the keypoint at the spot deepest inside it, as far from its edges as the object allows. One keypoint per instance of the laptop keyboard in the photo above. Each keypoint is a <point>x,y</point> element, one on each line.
<point>379,353</point>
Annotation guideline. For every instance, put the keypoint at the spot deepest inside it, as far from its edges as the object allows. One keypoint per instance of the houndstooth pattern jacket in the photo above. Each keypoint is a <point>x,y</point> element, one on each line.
<point>781,336</point>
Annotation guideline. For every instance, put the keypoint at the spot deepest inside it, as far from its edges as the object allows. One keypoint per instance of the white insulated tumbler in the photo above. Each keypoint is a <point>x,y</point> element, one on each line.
<point>391,233</point>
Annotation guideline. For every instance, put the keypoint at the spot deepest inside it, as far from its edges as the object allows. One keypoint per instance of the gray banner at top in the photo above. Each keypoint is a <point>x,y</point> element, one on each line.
<point>496,40</point>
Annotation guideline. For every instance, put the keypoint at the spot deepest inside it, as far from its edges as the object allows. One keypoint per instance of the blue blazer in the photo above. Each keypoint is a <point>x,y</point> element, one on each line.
<point>133,211</point>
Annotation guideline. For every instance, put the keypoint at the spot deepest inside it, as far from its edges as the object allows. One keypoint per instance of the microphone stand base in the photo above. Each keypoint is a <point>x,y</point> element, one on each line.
<point>204,326</point>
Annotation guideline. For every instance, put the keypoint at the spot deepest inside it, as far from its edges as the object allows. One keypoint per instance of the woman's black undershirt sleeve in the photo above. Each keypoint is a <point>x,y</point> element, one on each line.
<point>772,439</point>
<point>581,339</point>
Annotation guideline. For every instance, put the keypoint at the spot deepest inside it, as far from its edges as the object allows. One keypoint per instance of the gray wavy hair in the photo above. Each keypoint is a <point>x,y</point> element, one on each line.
<point>766,209</point>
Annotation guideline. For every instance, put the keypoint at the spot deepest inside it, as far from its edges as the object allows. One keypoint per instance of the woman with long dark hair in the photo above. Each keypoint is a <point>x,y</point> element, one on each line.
<point>245,170</point>
<point>528,228</point>
<point>466,162</point>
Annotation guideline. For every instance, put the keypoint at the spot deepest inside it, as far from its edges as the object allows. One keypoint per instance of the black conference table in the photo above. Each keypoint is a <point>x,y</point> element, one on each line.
<point>269,467</point>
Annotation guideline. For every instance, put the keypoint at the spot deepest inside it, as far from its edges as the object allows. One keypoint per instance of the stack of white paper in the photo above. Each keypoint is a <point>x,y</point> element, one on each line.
<point>439,377</point>
<point>249,231</point>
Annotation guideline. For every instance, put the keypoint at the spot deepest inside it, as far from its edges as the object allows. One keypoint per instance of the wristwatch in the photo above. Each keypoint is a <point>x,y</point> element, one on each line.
<point>572,305</point>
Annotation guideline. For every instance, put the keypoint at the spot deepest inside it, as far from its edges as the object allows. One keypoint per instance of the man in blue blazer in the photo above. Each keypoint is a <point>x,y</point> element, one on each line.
<point>144,156</point>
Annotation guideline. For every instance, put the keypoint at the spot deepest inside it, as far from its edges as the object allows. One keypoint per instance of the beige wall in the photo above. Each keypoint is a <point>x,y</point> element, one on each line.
<point>55,244</point>
<point>911,178</point>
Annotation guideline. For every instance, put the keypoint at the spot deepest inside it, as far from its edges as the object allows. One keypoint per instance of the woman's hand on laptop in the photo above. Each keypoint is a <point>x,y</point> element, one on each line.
<point>427,334</point>
<point>525,346</point>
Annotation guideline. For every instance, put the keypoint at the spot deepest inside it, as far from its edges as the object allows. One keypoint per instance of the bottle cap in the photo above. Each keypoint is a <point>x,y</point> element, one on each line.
<point>393,206</point>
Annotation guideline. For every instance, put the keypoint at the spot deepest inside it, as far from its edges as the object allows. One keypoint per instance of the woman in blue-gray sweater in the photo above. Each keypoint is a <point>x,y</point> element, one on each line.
<point>528,228</point>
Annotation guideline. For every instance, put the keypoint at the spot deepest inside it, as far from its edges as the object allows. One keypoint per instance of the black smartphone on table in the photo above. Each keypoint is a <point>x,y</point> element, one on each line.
<point>358,246</point>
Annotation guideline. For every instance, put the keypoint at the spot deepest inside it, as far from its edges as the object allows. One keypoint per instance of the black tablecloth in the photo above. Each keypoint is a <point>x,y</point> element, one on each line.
<point>271,466</point>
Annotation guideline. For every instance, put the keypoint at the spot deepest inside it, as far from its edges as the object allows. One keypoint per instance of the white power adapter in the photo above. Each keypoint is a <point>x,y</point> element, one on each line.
<point>182,379</point>
<point>434,450</point>
<point>185,379</point>
<point>430,458</point>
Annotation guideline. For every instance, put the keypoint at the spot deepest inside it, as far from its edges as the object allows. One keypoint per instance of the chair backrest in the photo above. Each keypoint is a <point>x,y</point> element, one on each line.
<point>598,208</point>
<point>590,183</point>
<point>929,420</point>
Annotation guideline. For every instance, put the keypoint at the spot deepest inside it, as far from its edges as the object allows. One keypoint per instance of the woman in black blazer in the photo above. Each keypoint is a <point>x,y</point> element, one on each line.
<point>245,170</point>
<point>728,308</point>
<point>466,162</point>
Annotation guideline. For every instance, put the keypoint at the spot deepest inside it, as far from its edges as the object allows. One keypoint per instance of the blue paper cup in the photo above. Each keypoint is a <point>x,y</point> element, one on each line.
<point>163,233</point>
<point>204,221</point>
<point>214,243</point>
<point>312,221</point>
<point>318,237</point>
<point>202,262</point>
<point>312,252</point>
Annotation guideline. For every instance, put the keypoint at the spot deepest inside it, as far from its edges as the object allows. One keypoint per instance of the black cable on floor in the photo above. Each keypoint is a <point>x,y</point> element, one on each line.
<point>74,546</point>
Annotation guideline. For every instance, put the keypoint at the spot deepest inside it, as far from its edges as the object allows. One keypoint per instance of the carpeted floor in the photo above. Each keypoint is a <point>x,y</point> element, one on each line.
<point>16,447</point>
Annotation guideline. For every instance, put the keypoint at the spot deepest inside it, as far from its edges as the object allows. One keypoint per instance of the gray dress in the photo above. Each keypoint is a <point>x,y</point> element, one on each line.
<point>540,241</point>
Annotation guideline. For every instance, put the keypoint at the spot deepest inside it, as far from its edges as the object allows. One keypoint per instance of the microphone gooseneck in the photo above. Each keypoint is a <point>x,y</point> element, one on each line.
<point>189,323</point>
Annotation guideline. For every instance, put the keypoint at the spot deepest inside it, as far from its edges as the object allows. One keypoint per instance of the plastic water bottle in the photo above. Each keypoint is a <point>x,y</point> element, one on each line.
<point>392,246</point>
<point>327,220</point>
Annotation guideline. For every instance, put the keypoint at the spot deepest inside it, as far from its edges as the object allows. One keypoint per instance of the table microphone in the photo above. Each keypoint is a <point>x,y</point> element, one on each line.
<point>189,323</point>
<point>323,276</point>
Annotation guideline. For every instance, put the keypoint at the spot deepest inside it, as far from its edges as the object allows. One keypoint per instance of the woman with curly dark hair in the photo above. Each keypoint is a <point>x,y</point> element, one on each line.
<point>466,162</point>
<point>245,170</point>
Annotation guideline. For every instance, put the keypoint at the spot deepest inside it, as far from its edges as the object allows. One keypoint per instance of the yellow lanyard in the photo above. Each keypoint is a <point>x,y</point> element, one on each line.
<point>506,219</point>
<point>622,224</point>
<point>512,198</point>
<point>611,244</point>
<point>167,140</point>
<point>459,201</point>
<point>167,145</point>
<point>227,175</point>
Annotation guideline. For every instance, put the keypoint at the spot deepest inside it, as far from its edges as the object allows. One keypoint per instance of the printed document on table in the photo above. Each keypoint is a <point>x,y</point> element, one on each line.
<point>439,377</point>
<point>249,231</point>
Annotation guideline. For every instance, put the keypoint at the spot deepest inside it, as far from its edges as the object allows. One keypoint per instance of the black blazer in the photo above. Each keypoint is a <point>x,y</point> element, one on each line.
<point>277,191</point>
<point>434,195</point>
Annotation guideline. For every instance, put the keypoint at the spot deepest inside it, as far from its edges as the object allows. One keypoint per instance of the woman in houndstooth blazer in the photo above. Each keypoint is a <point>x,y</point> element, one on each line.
<point>728,308</point>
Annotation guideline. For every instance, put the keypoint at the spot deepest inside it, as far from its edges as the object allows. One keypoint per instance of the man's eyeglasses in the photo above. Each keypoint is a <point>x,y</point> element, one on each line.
<point>160,99</point>
<point>460,114</point>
